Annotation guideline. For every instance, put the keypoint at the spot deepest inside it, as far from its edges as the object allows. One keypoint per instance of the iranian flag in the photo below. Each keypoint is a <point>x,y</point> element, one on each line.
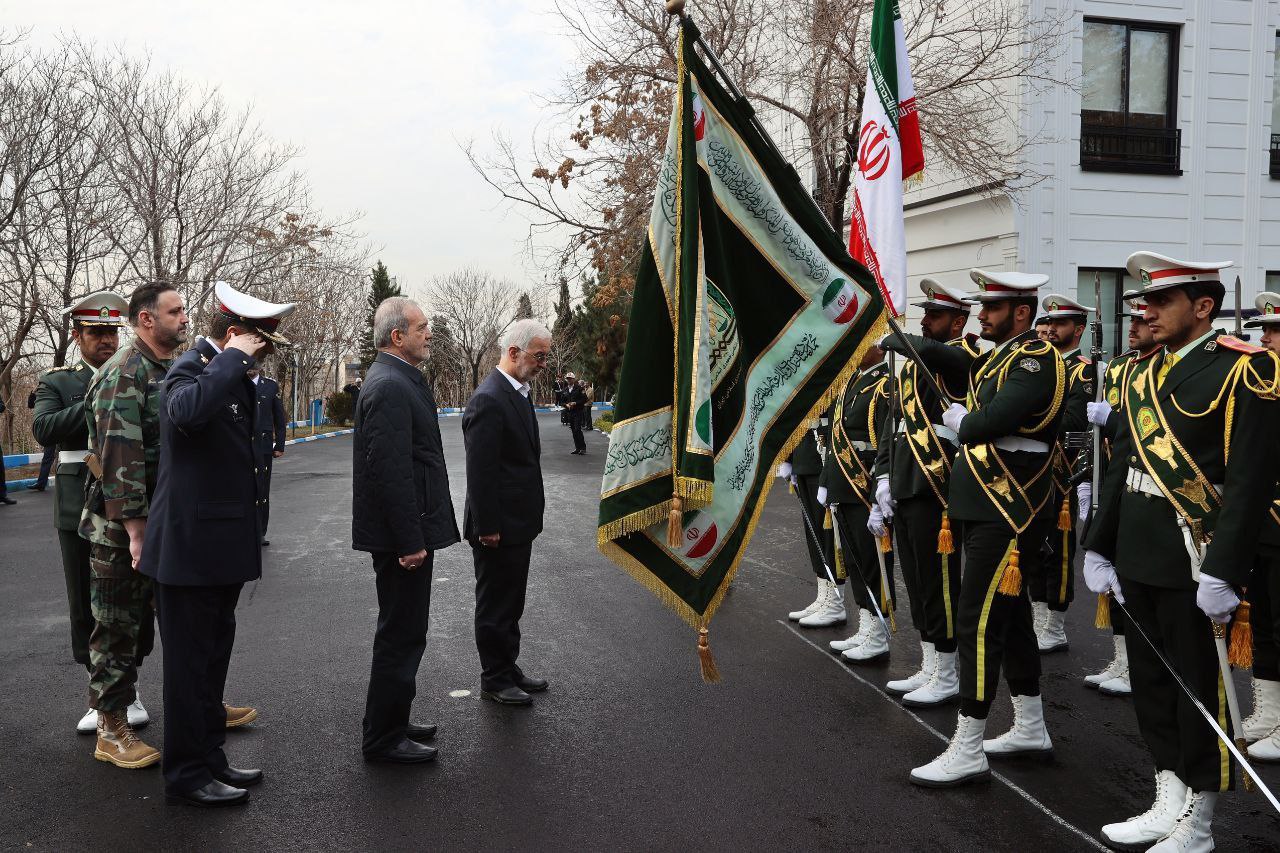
<point>889,152</point>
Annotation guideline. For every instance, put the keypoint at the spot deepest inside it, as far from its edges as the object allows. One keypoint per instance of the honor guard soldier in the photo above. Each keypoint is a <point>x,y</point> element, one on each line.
<point>1108,414</point>
<point>1262,727</point>
<point>1182,507</point>
<point>912,489</point>
<point>802,471</point>
<point>60,424</point>
<point>204,539</point>
<point>1001,485</point>
<point>122,407</point>
<point>268,437</point>
<point>847,488</point>
<point>1053,590</point>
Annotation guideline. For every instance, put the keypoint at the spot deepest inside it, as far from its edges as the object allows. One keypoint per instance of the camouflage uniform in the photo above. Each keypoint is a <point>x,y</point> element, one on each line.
<point>122,408</point>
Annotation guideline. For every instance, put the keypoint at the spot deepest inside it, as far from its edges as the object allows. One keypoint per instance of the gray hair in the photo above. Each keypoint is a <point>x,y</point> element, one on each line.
<point>520,333</point>
<point>391,317</point>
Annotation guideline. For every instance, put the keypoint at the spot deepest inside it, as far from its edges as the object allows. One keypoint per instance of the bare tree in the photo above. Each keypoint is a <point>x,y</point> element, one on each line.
<point>477,307</point>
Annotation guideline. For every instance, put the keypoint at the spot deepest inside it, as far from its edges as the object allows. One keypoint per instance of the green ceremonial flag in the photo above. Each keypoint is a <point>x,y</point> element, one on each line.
<point>749,316</point>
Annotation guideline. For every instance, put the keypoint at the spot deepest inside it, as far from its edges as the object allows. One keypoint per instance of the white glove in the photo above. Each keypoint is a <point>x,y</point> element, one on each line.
<point>884,501</point>
<point>1098,412</point>
<point>1216,598</point>
<point>875,522</point>
<point>1084,498</point>
<point>784,471</point>
<point>822,495</point>
<point>1100,576</point>
<point>953,416</point>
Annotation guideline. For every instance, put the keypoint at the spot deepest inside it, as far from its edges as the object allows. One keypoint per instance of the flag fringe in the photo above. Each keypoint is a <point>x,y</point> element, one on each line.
<point>1240,653</point>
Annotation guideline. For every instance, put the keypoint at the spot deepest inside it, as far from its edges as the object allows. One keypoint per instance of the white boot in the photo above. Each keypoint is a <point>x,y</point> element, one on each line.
<point>1267,750</point>
<point>1266,710</point>
<point>1193,833</point>
<point>864,625</point>
<point>830,613</point>
<point>1119,662</point>
<point>1156,822</point>
<point>1053,636</point>
<point>962,762</point>
<point>943,684</point>
<point>1028,735</point>
<point>1118,686</point>
<point>928,662</point>
<point>88,723</point>
<point>797,615</point>
<point>1039,613</point>
<point>876,645</point>
<point>136,713</point>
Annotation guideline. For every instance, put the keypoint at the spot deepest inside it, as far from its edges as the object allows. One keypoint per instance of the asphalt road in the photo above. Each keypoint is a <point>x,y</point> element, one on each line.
<point>627,751</point>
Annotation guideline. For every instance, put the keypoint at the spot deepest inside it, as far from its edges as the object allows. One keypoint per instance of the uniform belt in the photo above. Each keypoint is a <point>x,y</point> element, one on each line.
<point>1141,481</point>
<point>1018,443</point>
<point>945,433</point>
<point>67,457</point>
<point>861,446</point>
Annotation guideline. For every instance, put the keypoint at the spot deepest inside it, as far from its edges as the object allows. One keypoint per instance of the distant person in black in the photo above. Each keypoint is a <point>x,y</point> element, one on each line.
<point>46,461</point>
<point>561,391</point>
<point>4,490</point>
<point>268,440</point>
<point>576,403</point>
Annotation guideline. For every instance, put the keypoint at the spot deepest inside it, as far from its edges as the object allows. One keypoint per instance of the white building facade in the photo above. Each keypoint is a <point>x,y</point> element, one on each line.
<point>1169,142</point>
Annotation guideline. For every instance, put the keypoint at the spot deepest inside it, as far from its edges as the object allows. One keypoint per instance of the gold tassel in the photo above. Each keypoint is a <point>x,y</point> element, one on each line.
<point>841,571</point>
<point>1102,618</point>
<point>791,487</point>
<point>826,520</point>
<point>1240,653</point>
<point>885,542</point>
<point>675,522</point>
<point>1011,582</point>
<point>710,672</point>
<point>946,543</point>
<point>1064,514</point>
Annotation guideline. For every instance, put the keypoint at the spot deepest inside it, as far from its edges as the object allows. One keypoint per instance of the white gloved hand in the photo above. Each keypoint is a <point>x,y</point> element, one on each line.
<point>884,501</point>
<point>1098,412</point>
<point>953,416</point>
<point>1216,598</point>
<point>1084,498</point>
<point>822,495</point>
<point>1100,576</point>
<point>875,522</point>
<point>784,471</point>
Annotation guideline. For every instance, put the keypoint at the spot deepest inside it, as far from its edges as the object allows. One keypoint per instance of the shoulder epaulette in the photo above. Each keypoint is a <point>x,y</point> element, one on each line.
<point>61,368</point>
<point>968,343</point>
<point>1231,342</point>
<point>1035,347</point>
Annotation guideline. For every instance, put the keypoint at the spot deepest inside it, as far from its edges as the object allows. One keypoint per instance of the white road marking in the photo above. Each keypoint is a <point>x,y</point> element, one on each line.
<point>1063,822</point>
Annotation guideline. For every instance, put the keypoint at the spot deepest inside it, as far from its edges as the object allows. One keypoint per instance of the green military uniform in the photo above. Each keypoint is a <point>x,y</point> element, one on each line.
<point>806,467</point>
<point>59,421</point>
<point>855,423</point>
<point>123,415</point>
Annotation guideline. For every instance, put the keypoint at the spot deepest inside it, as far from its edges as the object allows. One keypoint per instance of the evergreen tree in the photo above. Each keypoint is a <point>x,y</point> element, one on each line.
<point>524,310</point>
<point>600,326</point>
<point>380,287</point>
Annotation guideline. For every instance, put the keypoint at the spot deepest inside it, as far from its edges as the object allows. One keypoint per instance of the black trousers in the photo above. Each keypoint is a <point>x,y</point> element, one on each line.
<point>575,426</point>
<point>4,488</point>
<point>75,572</point>
<point>1178,737</point>
<point>502,576</point>
<point>1117,617</point>
<point>807,491</point>
<point>1264,599</point>
<point>46,465</point>
<point>995,630</point>
<point>861,559</point>
<point>932,579</point>
<point>1053,580</point>
<point>198,629</point>
<point>264,509</point>
<point>404,605</point>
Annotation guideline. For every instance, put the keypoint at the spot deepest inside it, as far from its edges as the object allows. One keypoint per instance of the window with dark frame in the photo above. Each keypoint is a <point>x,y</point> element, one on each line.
<point>1128,110</point>
<point>1275,113</point>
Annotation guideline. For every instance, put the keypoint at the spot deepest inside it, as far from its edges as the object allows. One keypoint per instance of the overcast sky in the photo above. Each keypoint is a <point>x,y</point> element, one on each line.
<point>376,93</point>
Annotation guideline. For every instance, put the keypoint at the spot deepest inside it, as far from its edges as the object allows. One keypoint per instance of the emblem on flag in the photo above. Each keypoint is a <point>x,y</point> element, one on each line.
<point>840,302</point>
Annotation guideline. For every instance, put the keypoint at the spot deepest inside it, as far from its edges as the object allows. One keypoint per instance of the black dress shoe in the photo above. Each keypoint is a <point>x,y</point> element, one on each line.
<point>9,501</point>
<point>211,795</point>
<point>405,752</point>
<point>507,696</point>
<point>531,685</point>
<point>237,778</point>
<point>419,733</point>
<point>265,543</point>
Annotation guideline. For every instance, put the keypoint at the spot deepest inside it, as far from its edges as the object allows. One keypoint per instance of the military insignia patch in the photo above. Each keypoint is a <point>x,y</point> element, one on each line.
<point>1146,277</point>
<point>1147,422</point>
<point>1030,365</point>
<point>1113,397</point>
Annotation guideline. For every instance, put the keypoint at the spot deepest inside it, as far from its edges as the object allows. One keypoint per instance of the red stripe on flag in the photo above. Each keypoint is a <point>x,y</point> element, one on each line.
<point>909,138</point>
<point>863,252</point>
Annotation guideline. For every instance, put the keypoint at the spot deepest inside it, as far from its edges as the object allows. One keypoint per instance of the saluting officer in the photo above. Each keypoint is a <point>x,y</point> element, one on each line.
<point>60,424</point>
<point>1177,526</point>
<point>268,437</point>
<point>915,497</point>
<point>1053,589</point>
<point>1001,486</point>
<point>1262,727</point>
<point>847,488</point>
<point>204,538</point>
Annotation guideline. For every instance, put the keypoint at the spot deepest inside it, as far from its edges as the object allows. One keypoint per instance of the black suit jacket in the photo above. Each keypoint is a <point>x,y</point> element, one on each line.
<point>504,471</point>
<point>202,529</point>
<point>400,487</point>
<point>270,430</point>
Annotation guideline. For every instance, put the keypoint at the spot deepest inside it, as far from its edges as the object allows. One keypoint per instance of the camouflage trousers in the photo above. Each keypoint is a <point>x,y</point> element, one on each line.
<point>124,627</point>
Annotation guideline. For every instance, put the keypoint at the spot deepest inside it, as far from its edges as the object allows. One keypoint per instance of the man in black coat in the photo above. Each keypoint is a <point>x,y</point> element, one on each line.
<point>505,503</point>
<point>202,539</point>
<point>4,491</point>
<point>576,403</point>
<point>401,514</point>
<point>268,438</point>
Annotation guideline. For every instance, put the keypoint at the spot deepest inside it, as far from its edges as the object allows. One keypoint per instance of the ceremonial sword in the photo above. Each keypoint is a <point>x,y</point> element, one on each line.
<point>835,517</point>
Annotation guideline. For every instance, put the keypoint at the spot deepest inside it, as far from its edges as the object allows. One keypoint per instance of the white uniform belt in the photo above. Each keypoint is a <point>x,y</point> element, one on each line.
<point>66,457</point>
<point>1017,442</point>
<point>861,446</point>
<point>1141,481</point>
<point>945,433</point>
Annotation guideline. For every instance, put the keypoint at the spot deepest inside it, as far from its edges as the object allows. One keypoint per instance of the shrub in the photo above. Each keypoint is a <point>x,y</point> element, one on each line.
<point>604,421</point>
<point>339,407</point>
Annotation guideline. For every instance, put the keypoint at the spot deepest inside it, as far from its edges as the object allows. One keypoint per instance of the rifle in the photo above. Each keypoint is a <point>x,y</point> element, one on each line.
<point>1095,352</point>
<point>1239,313</point>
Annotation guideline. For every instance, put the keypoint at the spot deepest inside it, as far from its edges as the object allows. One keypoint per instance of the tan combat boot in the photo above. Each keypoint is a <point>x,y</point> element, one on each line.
<point>239,716</point>
<point>119,745</point>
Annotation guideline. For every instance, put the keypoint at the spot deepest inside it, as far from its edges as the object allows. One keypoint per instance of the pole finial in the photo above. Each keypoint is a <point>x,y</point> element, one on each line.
<point>675,7</point>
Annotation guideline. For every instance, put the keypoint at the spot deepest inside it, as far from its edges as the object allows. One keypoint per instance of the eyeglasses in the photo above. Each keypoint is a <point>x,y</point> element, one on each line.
<point>540,357</point>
